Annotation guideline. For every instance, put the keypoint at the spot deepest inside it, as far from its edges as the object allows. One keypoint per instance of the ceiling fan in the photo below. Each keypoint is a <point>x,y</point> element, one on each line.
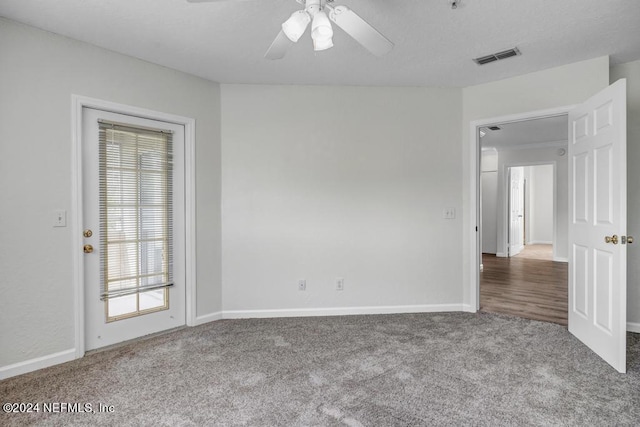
<point>319,13</point>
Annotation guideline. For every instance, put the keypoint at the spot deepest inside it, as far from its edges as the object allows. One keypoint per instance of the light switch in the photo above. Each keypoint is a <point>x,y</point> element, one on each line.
<point>449,213</point>
<point>60,218</point>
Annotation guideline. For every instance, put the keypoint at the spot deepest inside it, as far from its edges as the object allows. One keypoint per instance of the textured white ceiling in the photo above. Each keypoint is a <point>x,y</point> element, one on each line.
<point>225,41</point>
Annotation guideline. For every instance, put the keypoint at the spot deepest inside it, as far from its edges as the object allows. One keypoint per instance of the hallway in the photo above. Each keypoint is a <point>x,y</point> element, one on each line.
<point>529,285</point>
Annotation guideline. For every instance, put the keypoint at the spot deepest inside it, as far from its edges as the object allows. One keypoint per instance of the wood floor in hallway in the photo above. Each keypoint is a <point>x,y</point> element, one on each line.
<point>528,285</point>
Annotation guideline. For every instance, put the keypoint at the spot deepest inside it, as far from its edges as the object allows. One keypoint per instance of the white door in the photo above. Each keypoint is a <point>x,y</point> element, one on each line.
<point>597,224</point>
<point>516,210</point>
<point>133,213</point>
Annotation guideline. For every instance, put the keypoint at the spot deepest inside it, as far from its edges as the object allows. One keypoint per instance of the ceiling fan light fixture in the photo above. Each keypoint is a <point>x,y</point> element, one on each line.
<point>321,31</point>
<point>296,25</point>
<point>322,16</point>
<point>324,44</point>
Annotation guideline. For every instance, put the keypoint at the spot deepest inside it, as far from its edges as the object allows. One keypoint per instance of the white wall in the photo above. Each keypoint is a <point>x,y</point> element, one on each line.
<point>39,71</point>
<point>566,85</point>
<point>541,203</point>
<point>326,182</point>
<point>631,71</point>
<point>489,200</point>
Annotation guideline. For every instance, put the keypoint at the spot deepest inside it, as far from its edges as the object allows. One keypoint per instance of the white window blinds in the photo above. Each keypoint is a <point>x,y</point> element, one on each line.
<point>136,209</point>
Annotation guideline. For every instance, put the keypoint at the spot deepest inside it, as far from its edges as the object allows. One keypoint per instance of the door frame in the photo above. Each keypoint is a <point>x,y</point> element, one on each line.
<point>502,174</point>
<point>79,102</point>
<point>475,252</point>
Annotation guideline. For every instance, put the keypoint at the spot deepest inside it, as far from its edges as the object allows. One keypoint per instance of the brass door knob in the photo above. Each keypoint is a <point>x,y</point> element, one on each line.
<point>629,239</point>
<point>87,233</point>
<point>87,249</point>
<point>611,239</point>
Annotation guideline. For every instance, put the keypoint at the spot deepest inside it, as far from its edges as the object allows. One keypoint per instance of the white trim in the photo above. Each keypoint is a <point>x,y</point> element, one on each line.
<point>37,363</point>
<point>76,222</point>
<point>190,220</point>
<point>539,242</point>
<point>633,327</point>
<point>343,311</point>
<point>501,254</point>
<point>560,259</point>
<point>475,243</point>
<point>69,355</point>
<point>474,208</point>
<point>79,102</point>
<point>468,308</point>
<point>212,317</point>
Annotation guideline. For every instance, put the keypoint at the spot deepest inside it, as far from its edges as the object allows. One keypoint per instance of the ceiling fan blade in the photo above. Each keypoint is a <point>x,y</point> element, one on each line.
<point>279,47</point>
<point>360,30</point>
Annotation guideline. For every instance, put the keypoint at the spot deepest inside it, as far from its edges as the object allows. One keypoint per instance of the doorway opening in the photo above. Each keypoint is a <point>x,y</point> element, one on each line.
<point>596,218</point>
<point>149,252</point>
<point>523,192</point>
<point>531,211</point>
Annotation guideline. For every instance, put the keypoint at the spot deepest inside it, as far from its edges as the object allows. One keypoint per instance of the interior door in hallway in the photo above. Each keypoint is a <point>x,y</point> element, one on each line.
<point>598,224</point>
<point>133,214</point>
<point>516,210</point>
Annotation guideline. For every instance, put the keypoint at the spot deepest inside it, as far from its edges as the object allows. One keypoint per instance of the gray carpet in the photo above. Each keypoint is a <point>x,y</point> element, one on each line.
<point>386,370</point>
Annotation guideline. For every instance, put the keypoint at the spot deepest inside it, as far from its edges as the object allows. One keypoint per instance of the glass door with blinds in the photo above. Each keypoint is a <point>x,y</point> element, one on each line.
<point>133,192</point>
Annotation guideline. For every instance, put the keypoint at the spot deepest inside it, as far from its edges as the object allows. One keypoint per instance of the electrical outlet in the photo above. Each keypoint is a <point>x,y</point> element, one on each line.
<point>302,285</point>
<point>339,284</point>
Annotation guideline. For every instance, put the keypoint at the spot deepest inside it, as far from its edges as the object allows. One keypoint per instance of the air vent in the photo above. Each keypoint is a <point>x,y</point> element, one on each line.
<point>497,56</point>
<point>485,59</point>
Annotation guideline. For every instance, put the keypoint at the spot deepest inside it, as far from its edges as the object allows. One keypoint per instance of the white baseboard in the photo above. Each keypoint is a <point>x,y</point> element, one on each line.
<point>37,363</point>
<point>501,254</point>
<point>69,355</point>
<point>560,259</point>
<point>201,320</point>
<point>633,327</point>
<point>341,311</point>
<point>468,309</point>
<point>539,242</point>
